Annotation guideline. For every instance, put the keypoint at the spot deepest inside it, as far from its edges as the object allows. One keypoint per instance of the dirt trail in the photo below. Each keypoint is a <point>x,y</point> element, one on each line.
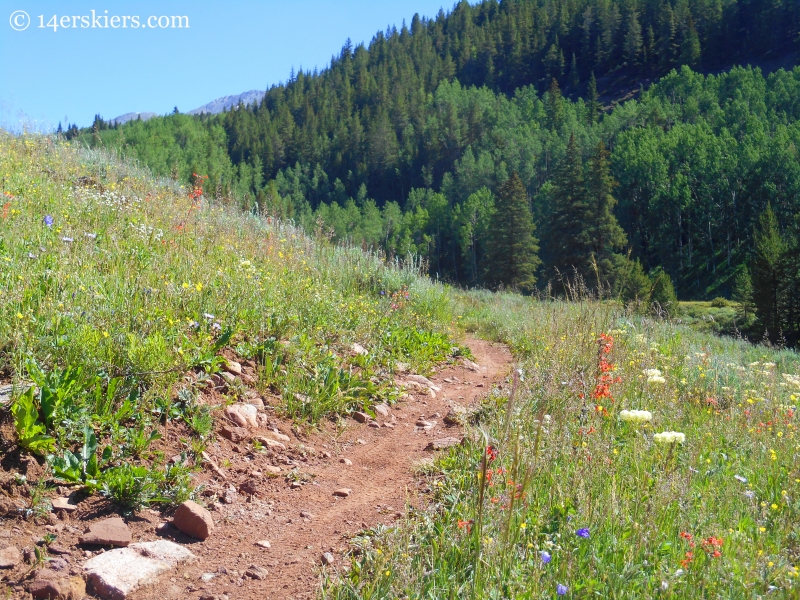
<point>301,524</point>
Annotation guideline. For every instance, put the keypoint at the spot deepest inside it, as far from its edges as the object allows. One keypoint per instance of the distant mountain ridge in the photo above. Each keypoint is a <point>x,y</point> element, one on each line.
<point>133,116</point>
<point>214,107</point>
<point>220,104</point>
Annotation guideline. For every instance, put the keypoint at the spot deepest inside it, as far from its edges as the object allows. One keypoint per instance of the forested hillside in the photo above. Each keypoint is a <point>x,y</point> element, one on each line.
<point>404,145</point>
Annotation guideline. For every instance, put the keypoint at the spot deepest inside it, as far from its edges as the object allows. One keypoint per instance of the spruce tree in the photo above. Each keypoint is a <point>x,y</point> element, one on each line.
<point>569,234</point>
<point>512,256</point>
<point>769,246</point>
<point>606,233</point>
<point>554,106</point>
<point>592,103</point>
<point>633,40</point>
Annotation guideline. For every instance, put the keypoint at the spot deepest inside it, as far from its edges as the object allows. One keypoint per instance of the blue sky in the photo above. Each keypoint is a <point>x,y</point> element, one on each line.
<point>232,46</point>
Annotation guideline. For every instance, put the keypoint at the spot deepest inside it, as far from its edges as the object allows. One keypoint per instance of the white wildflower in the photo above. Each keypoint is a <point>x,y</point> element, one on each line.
<point>669,437</point>
<point>636,416</point>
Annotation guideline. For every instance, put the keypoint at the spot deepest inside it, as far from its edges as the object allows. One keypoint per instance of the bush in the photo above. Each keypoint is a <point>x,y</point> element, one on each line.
<point>720,302</point>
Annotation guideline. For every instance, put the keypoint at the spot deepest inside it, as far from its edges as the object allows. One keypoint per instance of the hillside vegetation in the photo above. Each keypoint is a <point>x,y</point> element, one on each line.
<point>115,285</point>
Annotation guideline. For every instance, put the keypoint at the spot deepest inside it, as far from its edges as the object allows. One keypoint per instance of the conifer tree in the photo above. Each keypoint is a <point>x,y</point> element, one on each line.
<point>633,40</point>
<point>769,247</point>
<point>606,233</point>
<point>569,234</point>
<point>555,105</point>
<point>512,256</point>
<point>592,104</point>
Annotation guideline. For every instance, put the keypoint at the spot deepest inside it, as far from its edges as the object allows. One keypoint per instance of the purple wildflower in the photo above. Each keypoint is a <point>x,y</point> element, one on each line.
<point>583,532</point>
<point>546,557</point>
<point>48,220</point>
<point>561,589</point>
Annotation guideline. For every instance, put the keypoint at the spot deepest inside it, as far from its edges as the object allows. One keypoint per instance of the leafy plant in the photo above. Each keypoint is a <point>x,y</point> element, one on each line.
<point>31,432</point>
<point>84,466</point>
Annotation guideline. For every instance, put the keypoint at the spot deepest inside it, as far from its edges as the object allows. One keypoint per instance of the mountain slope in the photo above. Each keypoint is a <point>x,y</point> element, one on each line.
<point>227,102</point>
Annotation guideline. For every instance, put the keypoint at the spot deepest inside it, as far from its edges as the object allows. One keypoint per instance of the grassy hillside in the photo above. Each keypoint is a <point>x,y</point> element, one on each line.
<point>114,286</point>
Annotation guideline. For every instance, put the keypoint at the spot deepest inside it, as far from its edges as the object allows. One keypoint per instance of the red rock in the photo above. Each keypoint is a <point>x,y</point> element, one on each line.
<point>194,520</point>
<point>52,586</point>
<point>10,557</point>
<point>361,417</point>
<point>343,492</point>
<point>235,434</point>
<point>108,532</point>
<point>442,443</point>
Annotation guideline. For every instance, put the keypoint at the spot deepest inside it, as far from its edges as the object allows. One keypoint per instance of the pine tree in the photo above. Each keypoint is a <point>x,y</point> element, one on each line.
<point>743,294</point>
<point>555,105</point>
<point>592,103</point>
<point>569,237</point>
<point>512,256</point>
<point>769,246</point>
<point>633,40</point>
<point>606,233</point>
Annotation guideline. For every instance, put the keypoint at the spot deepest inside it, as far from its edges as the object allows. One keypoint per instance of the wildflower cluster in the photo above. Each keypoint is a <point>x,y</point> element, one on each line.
<point>636,416</point>
<point>603,376</point>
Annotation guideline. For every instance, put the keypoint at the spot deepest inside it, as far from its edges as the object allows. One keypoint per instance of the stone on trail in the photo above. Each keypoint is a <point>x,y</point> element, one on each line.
<point>343,492</point>
<point>359,349</point>
<point>194,520</point>
<point>108,532</point>
<point>382,410</point>
<point>277,436</point>
<point>116,574</point>
<point>346,461</point>
<point>256,572</point>
<point>264,544</point>
<point>236,434</point>
<point>442,443</point>
<point>233,367</point>
<point>10,557</point>
<point>327,558</point>
<point>243,415</point>
<point>361,417</point>
<point>54,586</point>
<point>64,504</point>
<point>270,443</point>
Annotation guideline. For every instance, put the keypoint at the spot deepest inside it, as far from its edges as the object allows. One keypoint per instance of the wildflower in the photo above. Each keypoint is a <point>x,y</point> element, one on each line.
<point>48,220</point>
<point>491,453</point>
<point>740,479</point>
<point>467,524</point>
<point>583,532</point>
<point>651,373</point>
<point>69,240</point>
<point>91,236</point>
<point>561,589</point>
<point>656,379</point>
<point>669,437</point>
<point>636,416</point>
<point>546,556</point>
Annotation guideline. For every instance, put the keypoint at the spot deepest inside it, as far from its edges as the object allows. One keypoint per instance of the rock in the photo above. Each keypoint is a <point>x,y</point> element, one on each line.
<point>10,557</point>
<point>233,367</point>
<point>256,572</point>
<point>471,365</point>
<point>455,415</point>
<point>270,443</point>
<point>8,507</point>
<point>346,461</point>
<point>55,586</point>
<point>361,417</point>
<point>116,574</point>
<point>271,470</point>
<point>206,577</point>
<point>236,434</point>
<point>361,442</point>
<point>255,401</point>
<point>401,367</point>
<point>277,436</point>
<point>442,443</point>
<point>243,415</point>
<point>56,549</point>
<point>359,349</point>
<point>425,424</point>
<point>388,425</point>
<point>64,504</point>
<point>194,520</point>
<point>327,558</point>
<point>296,485</point>
<point>108,532</point>
<point>419,379</point>
<point>249,486</point>
<point>229,378</point>
<point>343,492</point>
<point>264,544</point>
<point>306,515</point>
<point>375,424</point>
<point>480,384</point>
<point>5,393</point>
<point>381,409</point>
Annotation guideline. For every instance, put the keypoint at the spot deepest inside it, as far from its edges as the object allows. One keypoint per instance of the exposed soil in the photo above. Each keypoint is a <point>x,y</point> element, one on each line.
<point>251,505</point>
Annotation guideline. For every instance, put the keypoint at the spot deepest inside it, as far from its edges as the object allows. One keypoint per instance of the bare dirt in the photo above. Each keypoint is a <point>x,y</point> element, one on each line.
<point>295,510</point>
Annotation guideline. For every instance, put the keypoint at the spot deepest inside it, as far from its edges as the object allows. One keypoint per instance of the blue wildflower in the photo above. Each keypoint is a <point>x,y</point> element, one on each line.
<point>583,532</point>
<point>546,557</point>
<point>48,220</point>
<point>561,589</point>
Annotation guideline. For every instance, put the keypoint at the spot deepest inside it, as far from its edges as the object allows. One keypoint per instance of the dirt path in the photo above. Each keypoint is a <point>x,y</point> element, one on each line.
<point>375,463</point>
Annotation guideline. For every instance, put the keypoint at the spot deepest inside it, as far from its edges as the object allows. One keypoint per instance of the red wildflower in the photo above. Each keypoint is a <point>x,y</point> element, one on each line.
<point>467,524</point>
<point>491,453</point>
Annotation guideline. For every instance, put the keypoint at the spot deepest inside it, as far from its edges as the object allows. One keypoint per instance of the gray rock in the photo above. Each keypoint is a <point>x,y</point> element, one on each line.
<point>382,410</point>
<point>116,574</point>
<point>327,558</point>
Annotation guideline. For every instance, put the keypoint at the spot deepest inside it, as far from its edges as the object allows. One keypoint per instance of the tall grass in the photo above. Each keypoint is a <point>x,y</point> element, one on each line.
<point>557,494</point>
